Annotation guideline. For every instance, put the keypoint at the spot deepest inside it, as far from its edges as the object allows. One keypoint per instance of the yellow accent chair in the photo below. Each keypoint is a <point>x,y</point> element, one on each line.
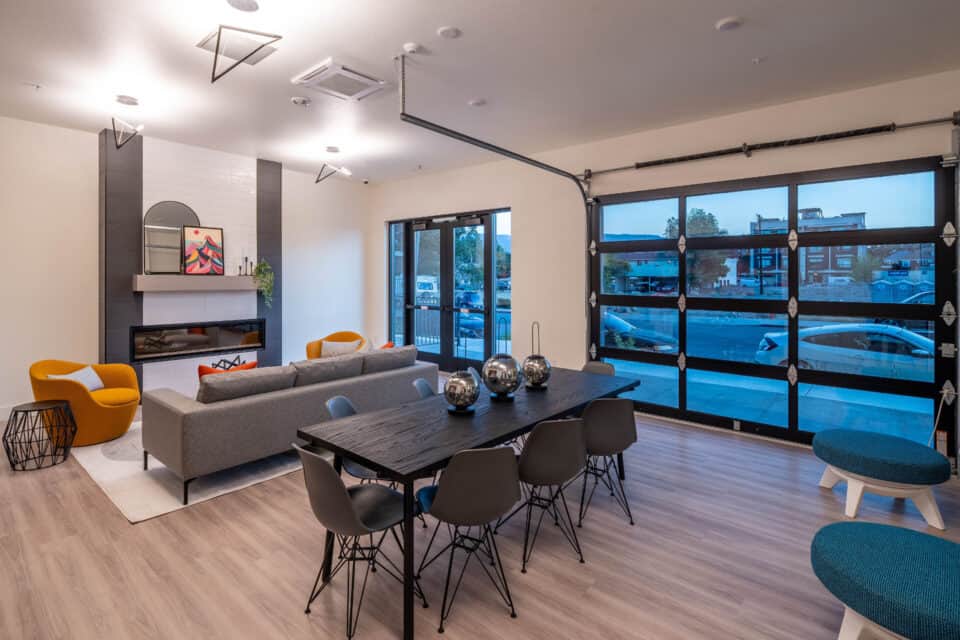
<point>313,348</point>
<point>101,415</point>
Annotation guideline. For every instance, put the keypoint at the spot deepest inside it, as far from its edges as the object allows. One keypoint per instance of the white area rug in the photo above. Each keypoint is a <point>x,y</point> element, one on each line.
<point>117,468</point>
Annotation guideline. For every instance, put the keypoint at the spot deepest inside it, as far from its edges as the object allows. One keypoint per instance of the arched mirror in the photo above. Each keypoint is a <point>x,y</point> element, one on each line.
<point>162,227</point>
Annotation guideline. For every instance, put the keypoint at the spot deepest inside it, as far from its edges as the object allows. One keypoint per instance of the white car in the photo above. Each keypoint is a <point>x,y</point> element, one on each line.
<point>861,349</point>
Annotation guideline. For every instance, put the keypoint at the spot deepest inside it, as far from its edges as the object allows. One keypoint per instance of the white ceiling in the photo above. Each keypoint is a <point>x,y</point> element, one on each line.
<point>554,72</point>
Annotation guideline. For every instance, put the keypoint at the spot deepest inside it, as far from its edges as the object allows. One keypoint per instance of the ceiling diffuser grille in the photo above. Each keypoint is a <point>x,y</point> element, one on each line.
<point>339,81</point>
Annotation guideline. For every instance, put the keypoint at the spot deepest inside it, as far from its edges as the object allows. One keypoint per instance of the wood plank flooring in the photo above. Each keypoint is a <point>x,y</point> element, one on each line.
<point>720,550</point>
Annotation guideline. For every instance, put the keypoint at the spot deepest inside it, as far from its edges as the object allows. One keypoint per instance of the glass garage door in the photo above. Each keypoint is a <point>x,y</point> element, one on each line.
<point>784,305</point>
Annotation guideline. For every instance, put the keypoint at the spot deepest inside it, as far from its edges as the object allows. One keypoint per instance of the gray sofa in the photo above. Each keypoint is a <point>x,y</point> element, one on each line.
<point>247,415</point>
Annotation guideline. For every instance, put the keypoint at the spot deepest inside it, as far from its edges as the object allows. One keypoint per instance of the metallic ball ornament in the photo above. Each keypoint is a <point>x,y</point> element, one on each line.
<point>536,369</point>
<point>462,390</point>
<point>502,375</point>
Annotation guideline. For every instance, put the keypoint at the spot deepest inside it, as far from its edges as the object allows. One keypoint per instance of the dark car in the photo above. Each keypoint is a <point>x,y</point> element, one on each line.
<point>469,325</point>
<point>468,300</point>
<point>619,333</point>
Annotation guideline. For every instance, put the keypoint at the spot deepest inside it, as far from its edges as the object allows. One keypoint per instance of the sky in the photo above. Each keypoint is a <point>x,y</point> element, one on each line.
<point>890,201</point>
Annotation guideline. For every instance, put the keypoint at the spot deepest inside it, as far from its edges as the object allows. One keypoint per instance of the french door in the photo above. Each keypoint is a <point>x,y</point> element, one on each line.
<point>449,297</point>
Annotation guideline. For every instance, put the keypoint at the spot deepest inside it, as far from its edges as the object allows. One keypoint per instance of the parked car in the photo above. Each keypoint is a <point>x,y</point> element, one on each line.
<point>860,348</point>
<point>428,290</point>
<point>470,325</point>
<point>619,333</point>
<point>920,327</point>
<point>468,300</point>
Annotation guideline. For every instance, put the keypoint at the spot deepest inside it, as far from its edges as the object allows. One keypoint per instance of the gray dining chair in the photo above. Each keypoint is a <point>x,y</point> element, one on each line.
<point>424,389</point>
<point>555,453</point>
<point>341,407</point>
<point>353,515</point>
<point>477,487</point>
<point>610,429</point>
<point>603,368</point>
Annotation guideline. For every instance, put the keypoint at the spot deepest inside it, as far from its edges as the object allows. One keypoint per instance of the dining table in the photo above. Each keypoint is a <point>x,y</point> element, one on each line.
<point>415,440</point>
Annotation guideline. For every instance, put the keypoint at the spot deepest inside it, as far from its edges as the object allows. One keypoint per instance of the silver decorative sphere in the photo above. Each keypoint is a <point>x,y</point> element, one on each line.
<point>462,389</point>
<point>536,370</point>
<point>502,374</point>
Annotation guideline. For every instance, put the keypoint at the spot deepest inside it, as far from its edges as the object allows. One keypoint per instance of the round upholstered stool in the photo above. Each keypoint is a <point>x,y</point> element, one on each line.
<point>882,464</point>
<point>895,582</point>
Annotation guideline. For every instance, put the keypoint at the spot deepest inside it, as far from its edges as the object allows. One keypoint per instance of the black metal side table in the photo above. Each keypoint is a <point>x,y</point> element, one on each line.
<point>39,434</point>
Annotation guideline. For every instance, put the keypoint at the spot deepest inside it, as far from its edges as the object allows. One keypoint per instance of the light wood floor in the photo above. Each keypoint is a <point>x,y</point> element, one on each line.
<point>720,550</point>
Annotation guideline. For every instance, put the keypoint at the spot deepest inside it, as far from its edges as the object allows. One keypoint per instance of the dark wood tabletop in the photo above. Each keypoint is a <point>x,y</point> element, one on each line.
<point>418,438</point>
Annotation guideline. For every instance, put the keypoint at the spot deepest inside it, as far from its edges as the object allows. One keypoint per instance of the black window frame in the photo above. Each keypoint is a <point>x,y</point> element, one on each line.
<point>945,286</point>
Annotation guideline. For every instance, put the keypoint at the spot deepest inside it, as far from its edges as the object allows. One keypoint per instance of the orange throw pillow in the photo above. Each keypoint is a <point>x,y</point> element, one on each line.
<point>389,345</point>
<point>204,370</point>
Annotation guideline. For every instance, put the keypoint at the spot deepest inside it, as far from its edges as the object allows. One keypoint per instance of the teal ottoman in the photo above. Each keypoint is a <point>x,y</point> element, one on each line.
<point>894,582</point>
<point>882,464</point>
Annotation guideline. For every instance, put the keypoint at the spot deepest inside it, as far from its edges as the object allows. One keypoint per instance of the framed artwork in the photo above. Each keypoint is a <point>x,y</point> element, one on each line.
<point>203,251</point>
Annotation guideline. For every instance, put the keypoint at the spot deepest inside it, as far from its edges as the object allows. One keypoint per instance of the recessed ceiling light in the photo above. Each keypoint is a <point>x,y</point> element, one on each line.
<point>477,102</point>
<point>301,101</point>
<point>346,171</point>
<point>130,101</point>
<point>412,47</point>
<point>451,33</point>
<point>729,23</point>
<point>758,59</point>
<point>244,5</point>
<point>333,149</point>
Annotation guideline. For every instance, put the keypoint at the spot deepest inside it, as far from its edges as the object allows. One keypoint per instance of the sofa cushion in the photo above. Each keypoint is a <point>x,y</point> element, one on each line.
<point>327,369</point>
<point>387,359</point>
<point>237,384</point>
<point>116,397</point>
<point>85,376</point>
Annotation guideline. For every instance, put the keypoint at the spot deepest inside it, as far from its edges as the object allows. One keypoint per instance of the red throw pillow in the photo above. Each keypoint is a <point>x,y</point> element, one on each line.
<point>389,345</point>
<point>204,370</point>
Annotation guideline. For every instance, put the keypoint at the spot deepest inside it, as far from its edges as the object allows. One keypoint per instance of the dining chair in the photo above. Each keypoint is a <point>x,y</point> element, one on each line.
<point>423,388</point>
<point>476,488</point>
<point>555,453</point>
<point>596,366</point>
<point>609,429</point>
<point>353,515</point>
<point>341,407</point>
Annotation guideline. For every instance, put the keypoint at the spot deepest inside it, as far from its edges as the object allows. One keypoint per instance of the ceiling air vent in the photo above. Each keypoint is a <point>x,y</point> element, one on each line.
<point>339,81</point>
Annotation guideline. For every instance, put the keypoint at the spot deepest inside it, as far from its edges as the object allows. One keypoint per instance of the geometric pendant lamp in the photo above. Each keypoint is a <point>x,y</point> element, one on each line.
<point>235,46</point>
<point>328,171</point>
<point>124,132</point>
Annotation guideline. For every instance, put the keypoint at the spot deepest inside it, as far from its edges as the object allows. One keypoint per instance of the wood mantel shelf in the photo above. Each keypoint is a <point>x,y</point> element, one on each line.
<point>187,284</point>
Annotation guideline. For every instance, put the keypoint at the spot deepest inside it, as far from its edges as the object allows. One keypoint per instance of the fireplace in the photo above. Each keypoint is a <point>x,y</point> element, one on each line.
<point>170,341</point>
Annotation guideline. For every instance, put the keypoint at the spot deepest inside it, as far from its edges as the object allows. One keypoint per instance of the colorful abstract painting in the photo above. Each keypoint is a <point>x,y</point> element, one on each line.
<point>203,251</point>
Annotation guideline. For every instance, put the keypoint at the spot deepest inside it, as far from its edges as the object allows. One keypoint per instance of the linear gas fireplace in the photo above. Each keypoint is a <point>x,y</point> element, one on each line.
<point>169,341</point>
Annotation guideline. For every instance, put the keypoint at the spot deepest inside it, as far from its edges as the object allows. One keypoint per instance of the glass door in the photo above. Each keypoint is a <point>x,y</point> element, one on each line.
<point>449,316</point>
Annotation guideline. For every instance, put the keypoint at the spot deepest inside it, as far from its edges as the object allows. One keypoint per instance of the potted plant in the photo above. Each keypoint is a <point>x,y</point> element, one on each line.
<point>263,277</point>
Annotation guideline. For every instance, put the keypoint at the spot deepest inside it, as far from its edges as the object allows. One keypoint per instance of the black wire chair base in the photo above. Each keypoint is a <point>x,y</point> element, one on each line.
<point>464,539</point>
<point>554,503</point>
<point>351,554</point>
<point>604,470</point>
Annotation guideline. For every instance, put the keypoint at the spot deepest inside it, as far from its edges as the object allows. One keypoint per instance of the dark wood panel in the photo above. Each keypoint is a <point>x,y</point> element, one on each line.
<point>270,248</point>
<point>121,242</point>
<point>420,437</point>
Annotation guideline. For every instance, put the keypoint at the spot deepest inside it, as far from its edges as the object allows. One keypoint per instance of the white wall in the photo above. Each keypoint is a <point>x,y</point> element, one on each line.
<point>323,259</point>
<point>222,189</point>
<point>549,230</point>
<point>49,221</point>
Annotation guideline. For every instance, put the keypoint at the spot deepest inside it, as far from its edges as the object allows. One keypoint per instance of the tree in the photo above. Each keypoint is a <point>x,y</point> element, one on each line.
<point>699,223</point>
<point>468,258</point>
<point>615,272</point>
<point>704,268</point>
<point>864,266</point>
<point>503,262</point>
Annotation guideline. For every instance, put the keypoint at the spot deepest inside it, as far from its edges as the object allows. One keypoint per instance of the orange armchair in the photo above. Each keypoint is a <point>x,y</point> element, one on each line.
<point>313,348</point>
<point>101,415</point>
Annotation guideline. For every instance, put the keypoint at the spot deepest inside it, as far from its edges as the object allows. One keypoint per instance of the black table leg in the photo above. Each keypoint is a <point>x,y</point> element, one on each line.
<point>328,542</point>
<point>623,473</point>
<point>408,515</point>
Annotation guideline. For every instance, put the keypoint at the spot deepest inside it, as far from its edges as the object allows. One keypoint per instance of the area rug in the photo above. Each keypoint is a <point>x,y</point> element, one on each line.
<point>117,468</point>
